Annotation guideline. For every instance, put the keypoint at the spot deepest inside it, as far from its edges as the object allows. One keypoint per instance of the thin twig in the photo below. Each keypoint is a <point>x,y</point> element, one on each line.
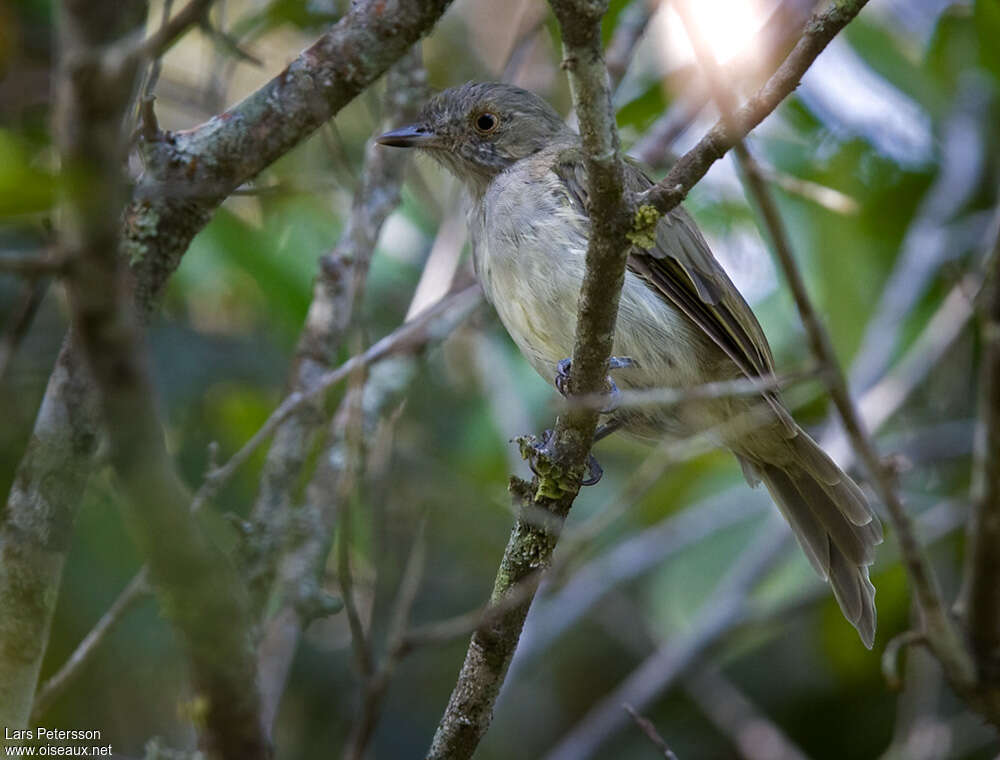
<point>629,31</point>
<point>981,592</point>
<point>739,387</point>
<point>19,322</point>
<point>400,340</point>
<point>376,686</point>
<point>32,265</point>
<point>62,679</point>
<point>646,726</point>
<point>890,656</point>
<point>172,28</point>
<point>693,165</point>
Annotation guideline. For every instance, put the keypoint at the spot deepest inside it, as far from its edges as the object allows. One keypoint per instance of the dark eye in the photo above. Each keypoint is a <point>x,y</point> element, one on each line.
<point>486,122</point>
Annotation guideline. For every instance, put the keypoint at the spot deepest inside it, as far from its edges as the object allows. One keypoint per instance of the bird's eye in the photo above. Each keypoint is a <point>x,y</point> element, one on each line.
<point>486,122</point>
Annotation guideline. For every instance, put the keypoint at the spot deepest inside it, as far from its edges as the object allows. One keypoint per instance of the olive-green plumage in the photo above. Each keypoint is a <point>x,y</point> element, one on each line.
<point>681,320</point>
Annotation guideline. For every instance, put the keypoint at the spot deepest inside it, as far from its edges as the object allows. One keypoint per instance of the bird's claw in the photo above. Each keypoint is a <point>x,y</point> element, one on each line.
<point>594,472</point>
<point>614,395</point>
<point>562,376</point>
<point>536,451</point>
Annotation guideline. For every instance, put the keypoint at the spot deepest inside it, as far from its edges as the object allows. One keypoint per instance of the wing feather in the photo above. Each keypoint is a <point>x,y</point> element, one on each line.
<point>680,267</point>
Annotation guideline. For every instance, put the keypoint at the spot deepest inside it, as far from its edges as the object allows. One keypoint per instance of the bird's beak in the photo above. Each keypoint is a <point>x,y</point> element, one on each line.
<point>410,136</point>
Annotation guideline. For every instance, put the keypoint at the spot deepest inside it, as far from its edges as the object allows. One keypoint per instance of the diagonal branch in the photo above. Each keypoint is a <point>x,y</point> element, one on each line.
<point>693,165</point>
<point>942,633</point>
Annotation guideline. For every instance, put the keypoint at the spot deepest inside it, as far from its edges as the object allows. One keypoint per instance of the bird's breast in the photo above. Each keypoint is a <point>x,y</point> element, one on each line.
<point>529,245</point>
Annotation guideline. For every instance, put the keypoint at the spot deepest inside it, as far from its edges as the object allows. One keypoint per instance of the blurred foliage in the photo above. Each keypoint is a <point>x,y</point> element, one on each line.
<point>228,329</point>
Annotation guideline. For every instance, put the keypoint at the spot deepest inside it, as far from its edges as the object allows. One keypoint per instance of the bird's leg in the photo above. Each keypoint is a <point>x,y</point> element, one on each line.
<point>594,469</point>
<point>534,449</point>
<point>614,395</point>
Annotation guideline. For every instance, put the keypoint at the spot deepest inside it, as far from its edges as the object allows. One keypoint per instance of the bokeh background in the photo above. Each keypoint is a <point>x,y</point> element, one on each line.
<point>885,166</point>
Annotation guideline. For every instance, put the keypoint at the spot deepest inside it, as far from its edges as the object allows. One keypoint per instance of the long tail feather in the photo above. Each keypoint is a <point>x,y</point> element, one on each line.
<point>832,521</point>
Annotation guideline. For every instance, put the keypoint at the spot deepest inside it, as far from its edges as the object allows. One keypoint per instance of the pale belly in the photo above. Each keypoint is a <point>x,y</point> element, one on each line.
<point>537,304</point>
<point>530,254</point>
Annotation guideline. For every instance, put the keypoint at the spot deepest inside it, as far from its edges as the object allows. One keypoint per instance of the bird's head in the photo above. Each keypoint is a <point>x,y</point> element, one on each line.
<point>480,129</point>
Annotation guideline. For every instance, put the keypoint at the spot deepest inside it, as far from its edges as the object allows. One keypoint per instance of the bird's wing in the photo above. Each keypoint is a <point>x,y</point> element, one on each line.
<point>680,267</point>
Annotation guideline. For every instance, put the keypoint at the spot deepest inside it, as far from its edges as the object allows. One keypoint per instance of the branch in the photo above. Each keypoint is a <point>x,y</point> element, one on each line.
<point>189,173</point>
<point>693,165</point>
<point>470,709</point>
<point>32,265</point>
<point>726,606</point>
<point>197,588</point>
<point>170,30</point>
<point>341,279</point>
<point>981,595</point>
<point>63,678</point>
<point>646,726</point>
<point>173,202</point>
<point>628,32</point>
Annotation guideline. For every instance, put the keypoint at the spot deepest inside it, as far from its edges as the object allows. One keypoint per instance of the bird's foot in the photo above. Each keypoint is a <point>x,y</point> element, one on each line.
<point>537,451</point>
<point>614,395</point>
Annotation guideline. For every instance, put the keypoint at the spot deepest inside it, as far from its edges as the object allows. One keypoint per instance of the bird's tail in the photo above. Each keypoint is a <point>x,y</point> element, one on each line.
<point>831,519</point>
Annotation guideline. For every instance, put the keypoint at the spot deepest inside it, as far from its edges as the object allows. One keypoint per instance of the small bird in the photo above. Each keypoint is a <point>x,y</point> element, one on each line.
<point>681,321</point>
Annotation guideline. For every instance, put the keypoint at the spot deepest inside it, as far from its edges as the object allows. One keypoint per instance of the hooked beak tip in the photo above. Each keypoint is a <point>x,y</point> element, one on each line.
<point>411,136</point>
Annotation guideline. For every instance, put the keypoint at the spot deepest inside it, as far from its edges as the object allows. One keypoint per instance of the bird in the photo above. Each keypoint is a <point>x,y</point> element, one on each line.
<point>681,321</point>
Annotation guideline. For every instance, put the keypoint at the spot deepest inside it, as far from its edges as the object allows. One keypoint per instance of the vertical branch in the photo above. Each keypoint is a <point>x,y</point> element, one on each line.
<point>170,205</point>
<point>981,597</point>
<point>36,524</point>
<point>198,589</point>
<point>529,550</point>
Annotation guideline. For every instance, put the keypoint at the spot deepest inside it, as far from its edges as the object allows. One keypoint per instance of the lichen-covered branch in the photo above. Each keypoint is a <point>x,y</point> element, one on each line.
<point>198,590</point>
<point>529,550</point>
<point>188,175</point>
<point>35,526</point>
